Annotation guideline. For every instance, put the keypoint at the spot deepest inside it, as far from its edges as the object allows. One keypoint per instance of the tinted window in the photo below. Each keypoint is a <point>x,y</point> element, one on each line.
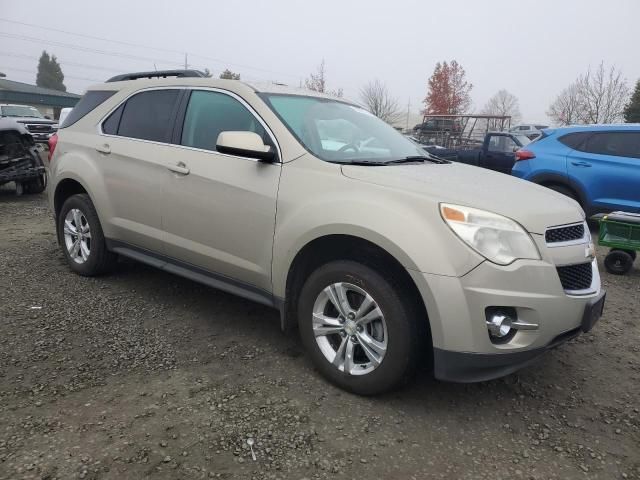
<point>541,127</point>
<point>210,113</point>
<point>619,144</point>
<point>110,125</point>
<point>149,115</point>
<point>574,140</point>
<point>87,103</point>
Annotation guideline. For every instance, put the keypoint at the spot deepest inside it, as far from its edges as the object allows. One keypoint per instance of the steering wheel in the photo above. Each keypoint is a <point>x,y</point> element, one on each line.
<point>349,146</point>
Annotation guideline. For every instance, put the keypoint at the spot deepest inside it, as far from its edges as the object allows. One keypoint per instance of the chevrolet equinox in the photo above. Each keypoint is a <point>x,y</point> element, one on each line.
<point>386,258</point>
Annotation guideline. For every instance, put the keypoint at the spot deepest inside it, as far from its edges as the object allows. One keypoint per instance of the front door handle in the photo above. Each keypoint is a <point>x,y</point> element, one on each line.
<point>179,167</point>
<point>581,164</point>
<point>104,148</point>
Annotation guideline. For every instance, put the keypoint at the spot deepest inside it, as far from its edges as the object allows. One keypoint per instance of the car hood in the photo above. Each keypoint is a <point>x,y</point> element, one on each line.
<point>531,205</point>
<point>32,120</point>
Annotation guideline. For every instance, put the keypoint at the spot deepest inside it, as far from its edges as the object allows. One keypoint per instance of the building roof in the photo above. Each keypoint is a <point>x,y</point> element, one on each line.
<point>18,92</point>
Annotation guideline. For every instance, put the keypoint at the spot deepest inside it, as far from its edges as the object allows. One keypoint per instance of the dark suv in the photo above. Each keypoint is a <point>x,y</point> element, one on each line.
<point>451,125</point>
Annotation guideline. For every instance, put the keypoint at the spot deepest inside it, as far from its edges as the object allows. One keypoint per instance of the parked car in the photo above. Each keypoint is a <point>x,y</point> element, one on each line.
<point>434,125</point>
<point>596,165</point>
<point>63,114</point>
<point>531,131</point>
<point>497,152</point>
<point>41,128</point>
<point>385,258</point>
<point>20,160</point>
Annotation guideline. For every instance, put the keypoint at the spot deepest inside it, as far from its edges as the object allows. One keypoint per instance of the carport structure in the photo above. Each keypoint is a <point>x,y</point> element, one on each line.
<point>48,101</point>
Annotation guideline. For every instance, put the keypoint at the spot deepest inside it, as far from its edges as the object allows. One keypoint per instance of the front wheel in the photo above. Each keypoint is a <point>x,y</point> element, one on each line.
<point>359,327</point>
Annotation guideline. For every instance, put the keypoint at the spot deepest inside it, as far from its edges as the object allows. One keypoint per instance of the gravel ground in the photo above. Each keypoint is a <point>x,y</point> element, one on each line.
<point>143,374</point>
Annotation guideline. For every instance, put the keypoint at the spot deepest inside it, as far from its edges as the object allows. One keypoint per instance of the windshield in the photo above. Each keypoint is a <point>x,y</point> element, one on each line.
<point>338,132</point>
<point>20,111</point>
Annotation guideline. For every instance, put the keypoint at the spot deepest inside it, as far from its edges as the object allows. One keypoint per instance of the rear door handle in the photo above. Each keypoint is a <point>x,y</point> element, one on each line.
<point>581,164</point>
<point>104,148</point>
<point>179,167</point>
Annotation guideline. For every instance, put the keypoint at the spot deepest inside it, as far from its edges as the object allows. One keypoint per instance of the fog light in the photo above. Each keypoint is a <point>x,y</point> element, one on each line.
<point>499,326</point>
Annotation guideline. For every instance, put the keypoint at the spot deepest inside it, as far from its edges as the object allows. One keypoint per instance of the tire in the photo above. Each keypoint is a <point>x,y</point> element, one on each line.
<point>92,257</point>
<point>618,262</point>
<point>36,185</point>
<point>398,329</point>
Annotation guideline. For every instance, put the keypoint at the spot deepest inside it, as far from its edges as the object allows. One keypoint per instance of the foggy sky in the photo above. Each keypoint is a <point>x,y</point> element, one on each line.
<point>531,48</point>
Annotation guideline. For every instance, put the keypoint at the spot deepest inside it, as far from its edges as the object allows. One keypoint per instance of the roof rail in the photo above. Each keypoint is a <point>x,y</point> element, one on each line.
<point>157,74</point>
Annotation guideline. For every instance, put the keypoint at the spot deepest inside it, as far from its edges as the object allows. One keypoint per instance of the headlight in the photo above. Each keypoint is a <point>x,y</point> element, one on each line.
<point>497,238</point>
<point>55,126</point>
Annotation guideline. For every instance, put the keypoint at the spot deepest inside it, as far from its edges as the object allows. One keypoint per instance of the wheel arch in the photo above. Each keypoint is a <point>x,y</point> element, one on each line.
<point>65,188</point>
<point>326,248</point>
<point>547,179</point>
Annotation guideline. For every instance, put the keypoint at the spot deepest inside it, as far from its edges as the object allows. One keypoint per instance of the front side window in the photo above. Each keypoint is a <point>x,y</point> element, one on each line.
<point>210,113</point>
<point>148,115</point>
<point>336,131</point>
<point>618,144</point>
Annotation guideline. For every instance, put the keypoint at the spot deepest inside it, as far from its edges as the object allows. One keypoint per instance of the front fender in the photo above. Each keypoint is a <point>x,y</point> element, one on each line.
<point>317,200</point>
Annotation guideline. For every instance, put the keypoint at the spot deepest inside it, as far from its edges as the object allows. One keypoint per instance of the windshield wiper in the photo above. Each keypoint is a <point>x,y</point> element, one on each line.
<point>417,158</point>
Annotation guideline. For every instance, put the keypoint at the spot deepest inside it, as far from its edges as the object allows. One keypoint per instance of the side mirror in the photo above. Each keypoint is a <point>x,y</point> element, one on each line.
<point>244,144</point>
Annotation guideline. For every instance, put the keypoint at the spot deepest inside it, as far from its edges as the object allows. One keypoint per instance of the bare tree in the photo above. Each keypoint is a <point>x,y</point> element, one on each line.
<point>565,109</point>
<point>597,96</point>
<point>503,104</point>
<point>318,83</point>
<point>376,98</point>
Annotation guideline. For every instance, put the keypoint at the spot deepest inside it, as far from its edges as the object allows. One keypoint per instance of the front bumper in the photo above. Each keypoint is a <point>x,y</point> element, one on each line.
<point>456,306</point>
<point>469,367</point>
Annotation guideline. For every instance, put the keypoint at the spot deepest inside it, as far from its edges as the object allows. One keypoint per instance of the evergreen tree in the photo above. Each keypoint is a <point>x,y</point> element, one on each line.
<point>632,111</point>
<point>50,73</point>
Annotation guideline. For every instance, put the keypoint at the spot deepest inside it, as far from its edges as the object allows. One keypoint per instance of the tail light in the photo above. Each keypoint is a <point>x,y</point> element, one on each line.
<point>524,155</point>
<point>53,141</point>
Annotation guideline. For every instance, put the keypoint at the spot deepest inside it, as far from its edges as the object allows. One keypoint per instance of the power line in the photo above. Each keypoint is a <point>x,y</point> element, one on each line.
<point>74,64</point>
<point>86,49</point>
<point>8,69</point>
<point>216,60</point>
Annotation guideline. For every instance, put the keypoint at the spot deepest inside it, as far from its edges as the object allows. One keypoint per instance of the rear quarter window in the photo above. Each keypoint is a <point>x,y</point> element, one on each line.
<point>574,140</point>
<point>87,103</point>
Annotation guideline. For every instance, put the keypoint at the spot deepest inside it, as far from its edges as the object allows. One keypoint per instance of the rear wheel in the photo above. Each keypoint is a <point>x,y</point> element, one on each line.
<point>359,328</point>
<point>618,262</point>
<point>81,237</point>
<point>36,185</point>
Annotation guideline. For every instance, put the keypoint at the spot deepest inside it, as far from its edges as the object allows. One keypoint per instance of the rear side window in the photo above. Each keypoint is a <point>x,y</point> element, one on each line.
<point>574,140</point>
<point>148,116</point>
<point>619,144</point>
<point>210,113</point>
<point>87,103</point>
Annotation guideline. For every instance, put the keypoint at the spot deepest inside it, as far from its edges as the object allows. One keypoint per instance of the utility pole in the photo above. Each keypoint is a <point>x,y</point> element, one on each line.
<point>408,106</point>
<point>186,65</point>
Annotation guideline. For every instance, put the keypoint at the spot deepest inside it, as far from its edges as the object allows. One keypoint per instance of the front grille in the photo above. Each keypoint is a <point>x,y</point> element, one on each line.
<point>39,128</point>
<point>564,234</point>
<point>576,277</point>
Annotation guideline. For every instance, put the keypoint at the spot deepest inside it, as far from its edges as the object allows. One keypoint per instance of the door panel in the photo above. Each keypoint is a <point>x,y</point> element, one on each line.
<point>221,215</point>
<point>135,178</point>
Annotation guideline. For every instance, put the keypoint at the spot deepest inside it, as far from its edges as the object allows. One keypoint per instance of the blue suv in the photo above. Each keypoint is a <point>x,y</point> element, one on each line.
<point>596,165</point>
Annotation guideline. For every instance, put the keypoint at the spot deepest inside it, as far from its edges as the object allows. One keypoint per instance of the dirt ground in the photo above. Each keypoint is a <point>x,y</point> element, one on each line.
<point>143,374</point>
